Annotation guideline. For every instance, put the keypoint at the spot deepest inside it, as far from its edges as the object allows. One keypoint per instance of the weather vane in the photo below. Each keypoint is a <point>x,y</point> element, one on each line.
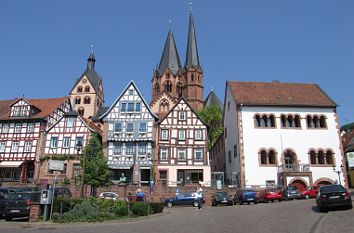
<point>170,24</point>
<point>92,48</point>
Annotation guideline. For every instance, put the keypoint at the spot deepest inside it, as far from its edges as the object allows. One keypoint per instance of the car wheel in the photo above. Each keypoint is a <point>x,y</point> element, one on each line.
<point>279,200</point>
<point>195,204</point>
<point>248,203</point>
<point>255,202</point>
<point>169,204</point>
<point>350,206</point>
<point>307,196</point>
<point>213,204</point>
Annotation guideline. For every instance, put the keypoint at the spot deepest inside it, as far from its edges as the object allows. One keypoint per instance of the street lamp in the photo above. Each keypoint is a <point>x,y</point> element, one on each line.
<point>79,148</point>
<point>338,172</point>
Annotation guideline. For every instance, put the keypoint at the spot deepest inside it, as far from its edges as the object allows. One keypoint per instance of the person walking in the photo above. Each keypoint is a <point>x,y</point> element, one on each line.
<point>199,194</point>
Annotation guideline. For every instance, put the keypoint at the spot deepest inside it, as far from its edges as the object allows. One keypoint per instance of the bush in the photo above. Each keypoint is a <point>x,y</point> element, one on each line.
<point>157,207</point>
<point>62,205</point>
<point>140,208</point>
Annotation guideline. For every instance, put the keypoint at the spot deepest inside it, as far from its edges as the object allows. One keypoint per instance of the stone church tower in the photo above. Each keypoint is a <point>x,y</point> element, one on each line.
<point>171,80</point>
<point>87,93</point>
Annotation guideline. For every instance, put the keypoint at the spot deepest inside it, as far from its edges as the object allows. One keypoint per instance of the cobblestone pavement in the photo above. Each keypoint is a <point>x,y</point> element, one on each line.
<point>292,216</point>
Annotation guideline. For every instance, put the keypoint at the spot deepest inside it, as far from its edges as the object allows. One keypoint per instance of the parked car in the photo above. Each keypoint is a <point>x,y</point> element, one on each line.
<point>61,191</point>
<point>221,198</point>
<point>108,196</point>
<point>271,194</point>
<point>182,199</point>
<point>291,193</point>
<point>245,196</point>
<point>333,196</point>
<point>311,192</point>
<point>19,204</point>
<point>5,194</point>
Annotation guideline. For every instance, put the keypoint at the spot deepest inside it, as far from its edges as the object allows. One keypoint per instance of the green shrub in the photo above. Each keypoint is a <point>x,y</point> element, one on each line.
<point>62,205</point>
<point>156,207</point>
<point>140,208</point>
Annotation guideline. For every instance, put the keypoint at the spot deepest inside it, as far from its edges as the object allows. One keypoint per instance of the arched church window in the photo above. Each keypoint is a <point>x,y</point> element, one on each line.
<point>168,86</point>
<point>78,100</point>
<point>87,100</point>
<point>79,89</point>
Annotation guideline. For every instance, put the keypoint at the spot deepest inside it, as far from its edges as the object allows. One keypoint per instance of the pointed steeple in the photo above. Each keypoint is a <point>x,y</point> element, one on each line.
<point>192,57</point>
<point>91,60</point>
<point>169,58</point>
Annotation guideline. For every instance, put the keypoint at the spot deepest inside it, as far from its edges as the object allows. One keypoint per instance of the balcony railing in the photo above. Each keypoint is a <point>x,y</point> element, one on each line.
<point>294,168</point>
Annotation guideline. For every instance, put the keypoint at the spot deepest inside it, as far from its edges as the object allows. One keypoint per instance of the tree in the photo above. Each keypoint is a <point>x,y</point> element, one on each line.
<point>346,128</point>
<point>97,172</point>
<point>213,117</point>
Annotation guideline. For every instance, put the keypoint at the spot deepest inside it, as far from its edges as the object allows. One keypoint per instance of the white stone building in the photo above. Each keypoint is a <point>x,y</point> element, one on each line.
<point>277,134</point>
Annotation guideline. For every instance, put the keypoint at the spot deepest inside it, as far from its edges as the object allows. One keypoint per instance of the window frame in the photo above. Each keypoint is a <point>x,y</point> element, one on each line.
<point>179,150</point>
<point>180,131</point>
<point>162,150</point>
<point>180,114</point>
<point>144,129</point>
<point>196,150</point>
<point>200,134</point>
<point>66,142</point>
<point>162,134</point>
<point>28,146</point>
<point>53,142</point>
<point>15,148</point>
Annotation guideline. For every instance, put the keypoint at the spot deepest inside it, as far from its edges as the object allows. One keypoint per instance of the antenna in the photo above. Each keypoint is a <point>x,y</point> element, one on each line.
<point>170,24</point>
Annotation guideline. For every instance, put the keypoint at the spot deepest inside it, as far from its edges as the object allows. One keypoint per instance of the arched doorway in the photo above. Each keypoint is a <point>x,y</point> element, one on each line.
<point>323,182</point>
<point>299,184</point>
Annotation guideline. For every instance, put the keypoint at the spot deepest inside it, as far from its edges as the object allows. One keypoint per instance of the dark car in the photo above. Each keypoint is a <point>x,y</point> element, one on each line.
<point>182,199</point>
<point>245,196</point>
<point>5,194</point>
<point>291,193</point>
<point>19,204</point>
<point>61,191</point>
<point>333,196</point>
<point>222,198</point>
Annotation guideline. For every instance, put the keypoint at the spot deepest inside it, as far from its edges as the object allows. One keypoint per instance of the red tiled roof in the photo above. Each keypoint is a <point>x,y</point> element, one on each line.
<point>45,107</point>
<point>280,94</point>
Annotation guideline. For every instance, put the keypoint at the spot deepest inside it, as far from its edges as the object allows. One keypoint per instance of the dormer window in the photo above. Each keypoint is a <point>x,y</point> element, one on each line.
<point>131,92</point>
<point>16,111</point>
<point>182,116</point>
<point>23,111</point>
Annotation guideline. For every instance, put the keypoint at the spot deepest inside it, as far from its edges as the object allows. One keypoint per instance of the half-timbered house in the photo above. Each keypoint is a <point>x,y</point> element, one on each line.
<point>22,126</point>
<point>128,136</point>
<point>66,140</point>
<point>182,156</point>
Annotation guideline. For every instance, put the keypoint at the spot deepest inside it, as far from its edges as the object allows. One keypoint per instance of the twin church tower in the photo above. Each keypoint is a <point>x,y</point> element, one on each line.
<point>170,80</point>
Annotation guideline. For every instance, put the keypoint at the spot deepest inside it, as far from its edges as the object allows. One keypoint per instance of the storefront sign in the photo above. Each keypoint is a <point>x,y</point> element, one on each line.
<point>56,165</point>
<point>350,157</point>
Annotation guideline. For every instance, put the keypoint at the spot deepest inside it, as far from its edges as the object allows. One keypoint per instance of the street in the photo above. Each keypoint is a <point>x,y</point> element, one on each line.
<point>292,216</point>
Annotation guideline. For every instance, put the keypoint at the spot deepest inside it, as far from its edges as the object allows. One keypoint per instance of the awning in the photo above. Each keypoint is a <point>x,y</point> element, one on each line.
<point>11,163</point>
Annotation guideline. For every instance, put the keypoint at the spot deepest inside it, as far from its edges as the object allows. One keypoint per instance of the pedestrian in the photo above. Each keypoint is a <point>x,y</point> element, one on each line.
<point>199,194</point>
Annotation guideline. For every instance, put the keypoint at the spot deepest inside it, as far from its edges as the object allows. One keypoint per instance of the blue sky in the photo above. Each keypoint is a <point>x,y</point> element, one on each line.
<point>44,44</point>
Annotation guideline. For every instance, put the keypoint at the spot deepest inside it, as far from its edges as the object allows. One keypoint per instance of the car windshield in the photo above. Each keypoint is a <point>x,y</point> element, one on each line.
<point>292,188</point>
<point>21,196</point>
<point>332,188</point>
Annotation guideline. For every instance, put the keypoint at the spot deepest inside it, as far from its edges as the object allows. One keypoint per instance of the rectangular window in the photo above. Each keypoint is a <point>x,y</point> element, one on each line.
<point>5,128</point>
<point>18,127</point>
<point>130,127</point>
<point>130,149</point>
<point>66,142</point>
<point>117,150</point>
<point>163,177</point>
<point>16,111</point>
<point>182,154</point>
<point>23,111</point>
<point>131,92</point>
<point>123,107</point>
<point>198,134</point>
<point>164,134</point>
<point>130,107</point>
<point>30,128</point>
<point>138,107</point>
<point>163,154</point>
<point>70,122</point>
<point>79,141</point>
<point>235,151</point>
<point>198,154</point>
<point>118,127</point>
<point>142,149</point>
<point>181,134</point>
<point>182,116</point>
<point>54,142</point>
<point>142,127</point>
<point>2,146</point>
<point>229,156</point>
<point>14,146</point>
<point>28,146</point>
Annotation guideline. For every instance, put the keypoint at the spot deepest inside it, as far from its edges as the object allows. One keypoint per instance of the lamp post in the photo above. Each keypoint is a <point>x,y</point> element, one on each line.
<point>338,172</point>
<point>79,148</point>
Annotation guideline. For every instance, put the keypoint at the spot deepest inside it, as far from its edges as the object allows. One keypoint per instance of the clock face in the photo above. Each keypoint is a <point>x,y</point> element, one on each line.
<point>84,80</point>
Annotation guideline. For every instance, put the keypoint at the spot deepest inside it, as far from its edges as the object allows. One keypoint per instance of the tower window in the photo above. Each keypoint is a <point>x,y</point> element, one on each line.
<point>81,111</point>
<point>87,100</point>
<point>168,86</point>
<point>79,89</point>
<point>179,89</point>
<point>77,100</point>
<point>87,89</point>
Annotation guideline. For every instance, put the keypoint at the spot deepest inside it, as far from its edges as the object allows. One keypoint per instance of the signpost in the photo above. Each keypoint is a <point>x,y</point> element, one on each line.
<point>55,165</point>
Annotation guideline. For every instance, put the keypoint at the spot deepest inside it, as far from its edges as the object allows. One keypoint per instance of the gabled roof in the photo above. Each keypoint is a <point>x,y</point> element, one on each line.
<point>90,73</point>
<point>169,59</point>
<point>99,113</point>
<point>131,83</point>
<point>348,141</point>
<point>279,94</point>
<point>212,99</point>
<point>45,107</point>
<point>192,56</point>
<point>173,108</point>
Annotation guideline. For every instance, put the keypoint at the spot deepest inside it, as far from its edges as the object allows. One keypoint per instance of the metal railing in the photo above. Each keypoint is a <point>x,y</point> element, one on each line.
<point>294,168</point>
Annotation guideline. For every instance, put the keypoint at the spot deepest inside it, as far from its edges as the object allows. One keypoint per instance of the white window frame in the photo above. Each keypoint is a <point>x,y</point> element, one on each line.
<point>28,146</point>
<point>164,154</point>
<point>18,127</point>
<point>198,132</point>
<point>16,111</point>
<point>182,115</point>
<point>5,128</point>
<point>201,152</point>
<point>142,148</point>
<point>181,151</point>
<point>137,104</point>
<point>2,146</point>
<point>164,134</point>
<point>117,151</point>
<point>52,145</point>
<point>70,122</point>
<point>182,134</point>
<point>130,104</point>
<point>115,127</point>
<point>15,146</point>
<point>30,128</point>
<point>132,130</point>
<point>140,124</point>
<point>23,111</point>
<point>127,145</point>
<point>66,142</point>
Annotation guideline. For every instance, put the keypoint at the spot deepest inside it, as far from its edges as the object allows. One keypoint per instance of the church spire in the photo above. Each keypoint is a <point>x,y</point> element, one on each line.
<point>192,58</point>
<point>91,60</point>
<point>169,58</point>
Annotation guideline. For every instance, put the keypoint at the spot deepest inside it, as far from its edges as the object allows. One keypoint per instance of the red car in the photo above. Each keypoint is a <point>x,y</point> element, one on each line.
<point>270,195</point>
<point>311,192</point>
